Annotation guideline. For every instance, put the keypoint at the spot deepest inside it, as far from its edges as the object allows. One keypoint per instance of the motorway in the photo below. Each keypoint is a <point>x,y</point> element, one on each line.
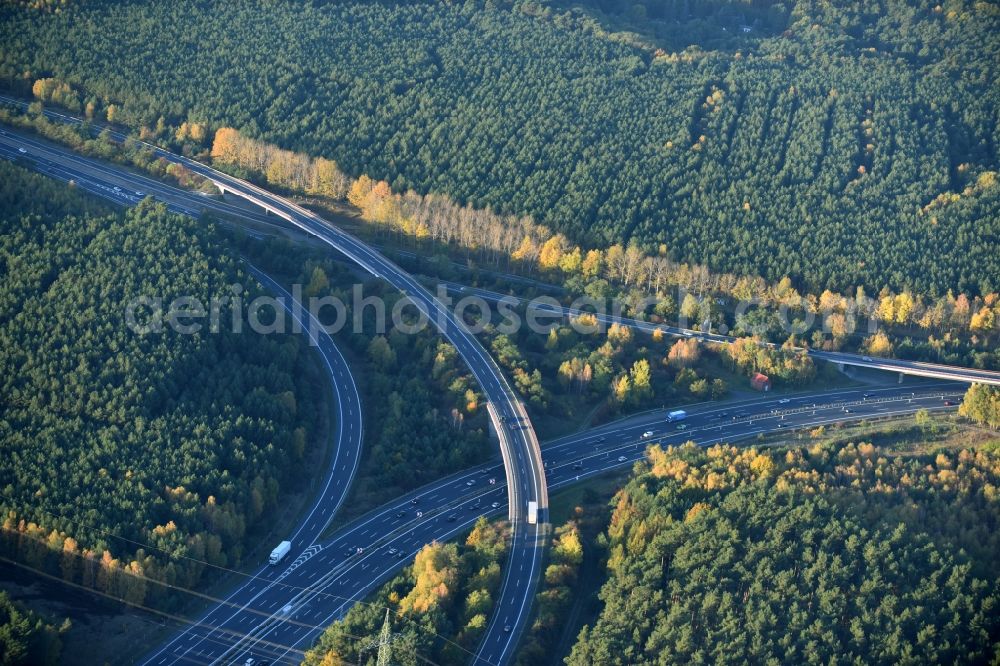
<point>518,443</point>
<point>523,470</point>
<point>268,626</point>
<point>360,556</point>
<point>119,186</point>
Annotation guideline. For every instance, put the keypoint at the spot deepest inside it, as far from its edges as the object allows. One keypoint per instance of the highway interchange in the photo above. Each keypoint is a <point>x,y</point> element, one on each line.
<point>524,475</point>
<point>280,610</point>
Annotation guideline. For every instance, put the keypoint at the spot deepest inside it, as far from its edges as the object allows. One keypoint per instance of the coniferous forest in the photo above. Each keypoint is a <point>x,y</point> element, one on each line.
<point>845,553</point>
<point>835,143</point>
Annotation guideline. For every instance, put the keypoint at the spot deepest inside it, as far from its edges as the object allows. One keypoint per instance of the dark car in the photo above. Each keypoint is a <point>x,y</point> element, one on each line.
<point>452,518</point>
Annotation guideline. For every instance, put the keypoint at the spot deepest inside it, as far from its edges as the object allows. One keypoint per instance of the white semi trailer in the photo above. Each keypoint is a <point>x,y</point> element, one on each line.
<point>279,553</point>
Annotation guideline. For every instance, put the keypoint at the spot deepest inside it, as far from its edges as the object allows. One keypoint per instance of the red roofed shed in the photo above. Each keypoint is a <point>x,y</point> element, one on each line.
<point>760,382</point>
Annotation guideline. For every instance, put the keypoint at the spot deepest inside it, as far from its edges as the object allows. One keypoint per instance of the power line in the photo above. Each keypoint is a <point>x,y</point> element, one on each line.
<point>156,611</point>
<point>236,636</point>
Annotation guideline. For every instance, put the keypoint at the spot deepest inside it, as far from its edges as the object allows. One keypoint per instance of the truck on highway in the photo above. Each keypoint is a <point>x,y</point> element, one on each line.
<point>532,513</point>
<point>279,553</point>
<point>676,415</point>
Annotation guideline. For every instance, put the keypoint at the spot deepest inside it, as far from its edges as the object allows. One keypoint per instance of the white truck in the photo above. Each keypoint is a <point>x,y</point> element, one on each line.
<point>676,415</point>
<point>279,553</point>
<point>532,513</point>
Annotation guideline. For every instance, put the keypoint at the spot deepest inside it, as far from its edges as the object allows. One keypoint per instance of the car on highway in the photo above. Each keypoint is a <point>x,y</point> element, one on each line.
<point>648,434</point>
<point>452,518</point>
<point>22,150</point>
<point>401,514</point>
<point>865,396</point>
<point>493,481</point>
<point>414,501</point>
<point>602,439</point>
<point>495,505</point>
<point>578,465</point>
<point>948,403</point>
<point>470,482</point>
<point>506,628</point>
<point>393,551</point>
<point>682,426</point>
<point>622,458</point>
<point>867,359</point>
<point>784,401</point>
